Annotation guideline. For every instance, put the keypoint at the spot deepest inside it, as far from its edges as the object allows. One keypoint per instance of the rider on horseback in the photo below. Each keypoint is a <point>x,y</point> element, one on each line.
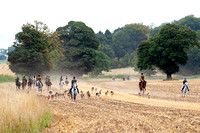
<point>142,78</point>
<point>24,79</point>
<point>185,84</point>
<point>17,79</point>
<point>72,82</point>
<point>39,79</point>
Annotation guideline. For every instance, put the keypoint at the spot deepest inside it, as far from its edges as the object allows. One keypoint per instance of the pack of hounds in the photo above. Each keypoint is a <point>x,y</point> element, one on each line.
<point>88,94</point>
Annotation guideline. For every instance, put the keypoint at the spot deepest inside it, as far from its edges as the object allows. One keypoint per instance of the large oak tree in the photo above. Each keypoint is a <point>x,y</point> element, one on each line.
<point>167,49</point>
<point>35,49</point>
<point>80,45</point>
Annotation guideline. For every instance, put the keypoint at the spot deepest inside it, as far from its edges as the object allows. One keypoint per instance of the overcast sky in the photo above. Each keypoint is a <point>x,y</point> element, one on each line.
<point>97,14</point>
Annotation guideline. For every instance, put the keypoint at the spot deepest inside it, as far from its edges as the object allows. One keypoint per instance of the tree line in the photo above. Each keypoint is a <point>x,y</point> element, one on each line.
<point>75,48</point>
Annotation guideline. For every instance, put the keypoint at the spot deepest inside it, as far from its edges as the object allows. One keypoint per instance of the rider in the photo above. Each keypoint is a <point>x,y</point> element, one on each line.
<point>24,79</point>
<point>185,83</point>
<point>39,79</point>
<point>61,78</point>
<point>142,78</point>
<point>72,82</point>
<point>17,79</point>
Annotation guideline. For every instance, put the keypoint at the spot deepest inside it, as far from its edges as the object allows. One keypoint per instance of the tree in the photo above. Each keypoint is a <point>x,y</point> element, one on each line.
<point>80,44</point>
<point>190,21</point>
<point>106,49</point>
<point>167,49</point>
<point>126,40</point>
<point>35,49</point>
<point>103,63</point>
<point>193,64</point>
<point>108,35</point>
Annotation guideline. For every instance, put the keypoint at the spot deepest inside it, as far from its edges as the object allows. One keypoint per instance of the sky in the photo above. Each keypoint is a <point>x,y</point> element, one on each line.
<point>97,14</point>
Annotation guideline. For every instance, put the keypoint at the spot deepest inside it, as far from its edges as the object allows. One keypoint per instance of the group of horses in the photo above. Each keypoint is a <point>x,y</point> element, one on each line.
<point>31,83</point>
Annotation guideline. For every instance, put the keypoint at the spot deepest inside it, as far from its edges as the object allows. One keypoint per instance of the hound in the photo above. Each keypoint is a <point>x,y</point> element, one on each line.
<point>106,93</point>
<point>98,94</point>
<point>148,95</point>
<point>88,94</point>
<point>92,89</point>
<point>112,93</point>
<point>82,95</point>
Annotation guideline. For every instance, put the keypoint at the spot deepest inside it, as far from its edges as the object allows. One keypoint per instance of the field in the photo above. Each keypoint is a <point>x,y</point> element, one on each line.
<point>165,111</point>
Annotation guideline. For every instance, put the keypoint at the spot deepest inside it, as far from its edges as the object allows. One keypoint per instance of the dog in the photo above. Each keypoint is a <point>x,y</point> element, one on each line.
<point>92,89</point>
<point>98,94</point>
<point>48,97</point>
<point>88,94</point>
<point>106,93</point>
<point>112,93</point>
<point>50,92</point>
<point>148,95</point>
<point>52,97</point>
<point>82,95</point>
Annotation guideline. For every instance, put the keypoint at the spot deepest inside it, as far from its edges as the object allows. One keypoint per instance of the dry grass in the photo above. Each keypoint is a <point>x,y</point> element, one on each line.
<point>4,69</point>
<point>21,112</point>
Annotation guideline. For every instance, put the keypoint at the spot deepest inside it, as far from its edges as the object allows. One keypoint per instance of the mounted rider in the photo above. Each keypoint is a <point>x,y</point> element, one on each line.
<point>24,79</point>
<point>61,78</point>
<point>17,79</point>
<point>72,83</point>
<point>142,78</point>
<point>39,79</point>
<point>185,84</point>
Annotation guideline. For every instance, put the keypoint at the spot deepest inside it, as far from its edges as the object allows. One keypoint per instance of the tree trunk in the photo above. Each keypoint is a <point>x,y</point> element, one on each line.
<point>169,76</point>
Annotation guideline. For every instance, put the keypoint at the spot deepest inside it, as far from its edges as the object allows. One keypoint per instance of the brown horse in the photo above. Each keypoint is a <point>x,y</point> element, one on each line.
<point>48,84</point>
<point>30,82</point>
<point>142,86</point>
<point>23,84</point>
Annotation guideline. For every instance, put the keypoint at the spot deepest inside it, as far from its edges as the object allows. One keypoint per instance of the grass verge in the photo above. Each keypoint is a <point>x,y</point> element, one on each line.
<point>6,78</point>
<point>21,112</point>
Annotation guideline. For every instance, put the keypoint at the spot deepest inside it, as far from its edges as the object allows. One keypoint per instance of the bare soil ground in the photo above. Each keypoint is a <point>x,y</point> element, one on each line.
<point>165,111</point>
<point>126,111</point>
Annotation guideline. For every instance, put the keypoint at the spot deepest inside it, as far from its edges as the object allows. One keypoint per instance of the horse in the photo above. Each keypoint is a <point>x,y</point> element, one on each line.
<point>30,82</point>
<point>66,81</point>
<point>61,84</point>
<point>23,84</point>
<point>142,86</point>
<point>74,91</point>
<point>48,83</point>
<point>18,84</point>
<point>185,89</point>
<point>39,85</point>
<point>34,81</point>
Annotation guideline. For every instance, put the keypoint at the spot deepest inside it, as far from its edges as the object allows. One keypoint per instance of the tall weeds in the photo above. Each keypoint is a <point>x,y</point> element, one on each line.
<point>22,112</point>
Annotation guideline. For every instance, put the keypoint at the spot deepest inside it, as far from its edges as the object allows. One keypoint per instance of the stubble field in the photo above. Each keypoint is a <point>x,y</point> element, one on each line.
<point>165,111</point>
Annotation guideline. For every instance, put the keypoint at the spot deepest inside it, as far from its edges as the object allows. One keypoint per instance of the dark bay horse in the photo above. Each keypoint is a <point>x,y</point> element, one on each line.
<point>18,84</point>
<point>23,84</point>
<point>142,86</point>
<point>30,82</point>
<point>48,84</point>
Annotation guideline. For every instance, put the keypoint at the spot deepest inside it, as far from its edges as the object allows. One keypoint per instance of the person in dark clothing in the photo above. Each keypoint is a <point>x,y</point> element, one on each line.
<point>72,82</point>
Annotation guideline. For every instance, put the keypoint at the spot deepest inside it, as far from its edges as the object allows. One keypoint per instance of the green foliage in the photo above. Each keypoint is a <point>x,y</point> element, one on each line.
<point>190,21</point>
<point>30,126</point>
<point>167,49</point>
<point>80,45</point>
<point>35,49</point>
<point>127,39</point>
<point>133,62</point>
<point>193,64</point>
<point>6,78</point>
<point>106,49</point>
<point>103,63</point>
<point>115,63</point>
